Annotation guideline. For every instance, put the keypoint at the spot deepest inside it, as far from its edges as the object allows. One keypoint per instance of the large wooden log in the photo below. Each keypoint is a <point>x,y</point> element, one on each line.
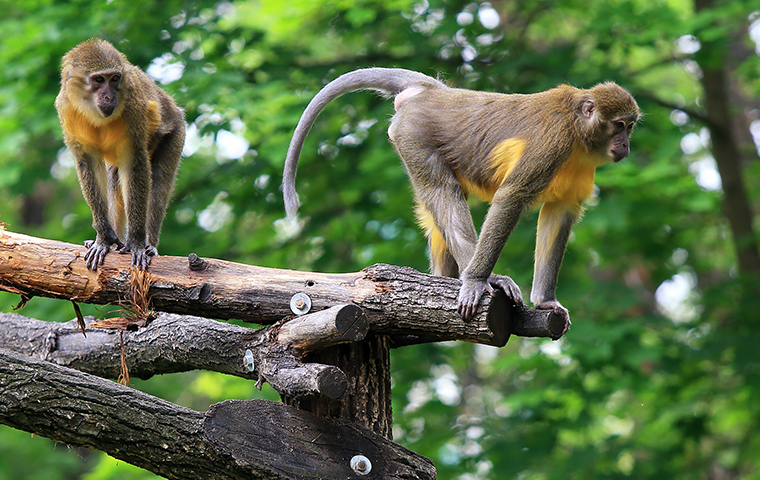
<point>396,300</point>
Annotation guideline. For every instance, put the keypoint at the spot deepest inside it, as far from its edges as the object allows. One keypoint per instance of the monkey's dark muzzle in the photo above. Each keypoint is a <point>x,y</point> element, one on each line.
<point>107,102</point>
<point>107,110</point>
<point>618,154</point>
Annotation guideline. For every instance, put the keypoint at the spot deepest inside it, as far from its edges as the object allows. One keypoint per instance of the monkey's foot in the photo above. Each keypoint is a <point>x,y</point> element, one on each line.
<point>96,253</point>
<point>469,296</point>
<point>509,287</point>
<point>559,311</point>
<point>141,255</point>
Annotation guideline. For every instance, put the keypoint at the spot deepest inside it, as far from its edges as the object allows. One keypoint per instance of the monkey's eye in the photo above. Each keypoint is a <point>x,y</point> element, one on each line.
<point>115,78</point>
<point>619,127</point>
<point>99,79</point>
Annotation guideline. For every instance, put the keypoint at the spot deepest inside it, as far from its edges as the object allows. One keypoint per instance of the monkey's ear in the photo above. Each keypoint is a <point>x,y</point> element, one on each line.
<point>588,108</point>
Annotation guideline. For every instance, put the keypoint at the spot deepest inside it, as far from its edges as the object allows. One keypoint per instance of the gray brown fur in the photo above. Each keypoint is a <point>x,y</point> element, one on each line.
<point>447,136</point>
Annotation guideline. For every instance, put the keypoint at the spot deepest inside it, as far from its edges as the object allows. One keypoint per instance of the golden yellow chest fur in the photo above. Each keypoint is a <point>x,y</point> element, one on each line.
<point>108,140</point>
<point>573,183</point>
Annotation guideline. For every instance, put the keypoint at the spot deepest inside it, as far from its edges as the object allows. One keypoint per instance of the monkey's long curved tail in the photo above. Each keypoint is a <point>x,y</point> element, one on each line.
<point>388,82</point>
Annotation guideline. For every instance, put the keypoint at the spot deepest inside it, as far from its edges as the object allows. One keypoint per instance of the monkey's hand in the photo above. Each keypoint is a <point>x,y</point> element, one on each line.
<point>509,287</point>
<point>141,254</point>
<point>469,295</point>
<point>97,249</point>
<point>558,310</point>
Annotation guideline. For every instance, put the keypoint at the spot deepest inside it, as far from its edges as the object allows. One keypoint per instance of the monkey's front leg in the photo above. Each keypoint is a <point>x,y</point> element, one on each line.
<point>164,163</point>
<point>554,224</point>
<point>97,250</point>
<point>477,278</point>
<point>138,182</point>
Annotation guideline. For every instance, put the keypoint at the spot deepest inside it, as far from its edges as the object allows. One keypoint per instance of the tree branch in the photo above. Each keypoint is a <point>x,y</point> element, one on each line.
<point>652,97</point>
<point>233,440</point>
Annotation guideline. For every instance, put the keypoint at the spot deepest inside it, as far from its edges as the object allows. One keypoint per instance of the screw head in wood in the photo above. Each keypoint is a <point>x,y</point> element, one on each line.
<point>300,304</point>
<point>361,465</point>
<point>248,360</point>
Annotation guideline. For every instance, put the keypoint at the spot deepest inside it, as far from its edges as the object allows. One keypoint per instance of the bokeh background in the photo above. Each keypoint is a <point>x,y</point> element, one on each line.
<point>659,376</point>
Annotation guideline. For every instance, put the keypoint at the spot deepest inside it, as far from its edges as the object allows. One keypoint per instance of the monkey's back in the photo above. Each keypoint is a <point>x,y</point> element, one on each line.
<point>480,135</point>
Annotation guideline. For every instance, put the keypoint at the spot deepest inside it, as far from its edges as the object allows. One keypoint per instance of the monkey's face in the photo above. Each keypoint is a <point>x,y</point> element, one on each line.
<point>620,141</point>
<point>104,88</point>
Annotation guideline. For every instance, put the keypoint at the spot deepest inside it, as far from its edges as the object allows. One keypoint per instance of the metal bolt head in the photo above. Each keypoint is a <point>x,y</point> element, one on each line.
<point>248,361</point>
<point>361,465</point>
<point>300,304</point>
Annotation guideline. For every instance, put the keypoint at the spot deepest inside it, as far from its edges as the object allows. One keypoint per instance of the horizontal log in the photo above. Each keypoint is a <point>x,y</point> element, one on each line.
<point>396,300</point>
<point>171,343</point>
<point>325,328</point>
<point>176,343</point>
<point>251,432</point>
<point>308,379</point>
<point>233,440</point>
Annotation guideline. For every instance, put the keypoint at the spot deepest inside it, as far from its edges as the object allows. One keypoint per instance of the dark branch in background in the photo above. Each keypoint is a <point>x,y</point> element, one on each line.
<point>651,97</point>
<point>726,117</point>
<point>233,440</point>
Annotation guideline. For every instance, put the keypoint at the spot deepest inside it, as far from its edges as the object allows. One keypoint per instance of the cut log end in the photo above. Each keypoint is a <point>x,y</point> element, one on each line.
<point>500,315</point>
<point>352,323</point>
<point>558,326</point>
<point>332,382</point>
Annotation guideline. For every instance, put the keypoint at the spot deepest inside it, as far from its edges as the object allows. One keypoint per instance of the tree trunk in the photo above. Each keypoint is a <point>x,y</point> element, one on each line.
<point>722,116</point>
<point>368,397</point>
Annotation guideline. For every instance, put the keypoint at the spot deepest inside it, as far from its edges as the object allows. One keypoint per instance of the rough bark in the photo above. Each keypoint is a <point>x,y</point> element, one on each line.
<point>233,440</point>
<point>171,343</point>
<point>310,451</point>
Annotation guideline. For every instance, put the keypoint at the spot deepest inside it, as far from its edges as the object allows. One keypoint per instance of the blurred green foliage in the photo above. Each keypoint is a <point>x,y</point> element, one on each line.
<point>644,385</point>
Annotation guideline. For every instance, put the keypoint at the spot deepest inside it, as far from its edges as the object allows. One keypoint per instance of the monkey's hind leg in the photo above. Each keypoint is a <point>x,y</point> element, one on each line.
<point>440,196</point>
<point>442,263</point>
<point>164,165</point>
<point>116,210</point>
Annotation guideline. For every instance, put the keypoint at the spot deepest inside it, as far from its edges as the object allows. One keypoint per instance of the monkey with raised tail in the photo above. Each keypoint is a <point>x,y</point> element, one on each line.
<point>513,150</point>
<point>126,135</point>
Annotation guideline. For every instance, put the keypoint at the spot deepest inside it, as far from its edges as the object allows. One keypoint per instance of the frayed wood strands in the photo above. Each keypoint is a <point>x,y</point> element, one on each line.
<point>135,311</point>
<point>135,314</point>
